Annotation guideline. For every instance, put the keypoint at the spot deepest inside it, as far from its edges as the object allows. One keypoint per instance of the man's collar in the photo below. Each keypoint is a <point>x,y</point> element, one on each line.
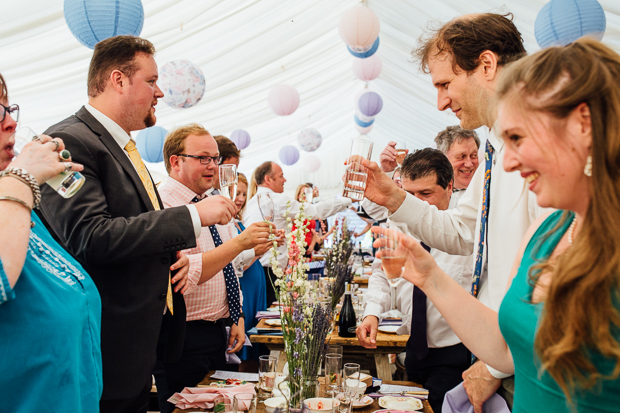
<point>120,136</point>
<point>262,189</point>
<point>183,192</point>
<point>496,141</point>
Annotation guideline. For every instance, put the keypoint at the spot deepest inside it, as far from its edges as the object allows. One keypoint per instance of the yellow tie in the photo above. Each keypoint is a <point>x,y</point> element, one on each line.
<point>134,155</point>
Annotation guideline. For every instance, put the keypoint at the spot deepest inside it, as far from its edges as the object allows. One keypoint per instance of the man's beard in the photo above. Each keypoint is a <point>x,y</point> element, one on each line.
<point>150,120</point>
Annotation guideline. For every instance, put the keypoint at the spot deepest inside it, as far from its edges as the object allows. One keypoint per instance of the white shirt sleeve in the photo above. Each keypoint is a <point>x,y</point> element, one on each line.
<point>377,299</point>
<point>242,260</point>
<point>497,374</point>
<point>193,212</point>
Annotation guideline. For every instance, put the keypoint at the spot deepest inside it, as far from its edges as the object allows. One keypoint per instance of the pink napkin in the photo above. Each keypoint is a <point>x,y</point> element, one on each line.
<point>203,397</point>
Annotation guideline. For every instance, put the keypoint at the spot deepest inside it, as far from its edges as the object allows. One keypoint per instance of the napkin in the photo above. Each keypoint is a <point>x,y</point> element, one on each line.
<point>203,397</point>
<point>456,401</point>
<point>267,314</point>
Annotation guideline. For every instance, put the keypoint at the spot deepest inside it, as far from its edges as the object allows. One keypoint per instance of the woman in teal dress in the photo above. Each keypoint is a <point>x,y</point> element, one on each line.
<point>50,310</point>
<point>558,327</point>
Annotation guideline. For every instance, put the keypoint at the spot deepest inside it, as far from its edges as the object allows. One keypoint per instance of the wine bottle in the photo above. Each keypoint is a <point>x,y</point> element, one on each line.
<point>347,322</point>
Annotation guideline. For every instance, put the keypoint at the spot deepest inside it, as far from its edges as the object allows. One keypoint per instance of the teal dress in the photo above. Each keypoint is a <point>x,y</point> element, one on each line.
<point>519,320</point>
<point>50,324</point>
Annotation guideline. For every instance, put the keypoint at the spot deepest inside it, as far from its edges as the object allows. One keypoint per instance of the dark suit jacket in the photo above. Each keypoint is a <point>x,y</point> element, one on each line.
<point>112,229</point>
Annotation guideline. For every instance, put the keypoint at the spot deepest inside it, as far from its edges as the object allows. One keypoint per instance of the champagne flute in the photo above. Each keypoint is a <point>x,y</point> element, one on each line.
<point>393,256</point>
<point>228,181</point>
<point>356,174</point>
<point>266,206</point>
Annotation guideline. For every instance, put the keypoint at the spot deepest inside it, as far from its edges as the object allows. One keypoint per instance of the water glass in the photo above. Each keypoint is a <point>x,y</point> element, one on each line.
<point>244,402</point>
<point>266,375</point>
<point>351,374</point>
<point>342,401</point>
<point>333,371</point>
<point>334,349</point>
<point>357,174</point>
<point>228,181</point>
<point>225,402</point>
<point>401,151</point>
<point>393,255</point>
<point>308,192</point>
<point>266,206</point>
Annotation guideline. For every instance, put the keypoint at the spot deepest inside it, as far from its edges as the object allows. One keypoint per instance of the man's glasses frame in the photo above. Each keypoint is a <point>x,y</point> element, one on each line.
<point>10,110</point>
<point>204,160</point>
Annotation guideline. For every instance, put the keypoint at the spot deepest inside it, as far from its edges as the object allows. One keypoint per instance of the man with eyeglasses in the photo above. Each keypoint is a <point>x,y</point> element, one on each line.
<point>213,296</point>
<point>117,228</point>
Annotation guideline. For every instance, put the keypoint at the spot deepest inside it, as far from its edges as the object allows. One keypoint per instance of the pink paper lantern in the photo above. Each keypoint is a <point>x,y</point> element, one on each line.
<point>363,130</point>
<point>312,163</point>
<point>359,28</point>
<point>283,100</point>
<point>367,69</point>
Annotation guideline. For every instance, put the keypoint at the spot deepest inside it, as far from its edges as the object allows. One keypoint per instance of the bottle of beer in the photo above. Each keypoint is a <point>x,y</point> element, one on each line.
<point>347,322</point>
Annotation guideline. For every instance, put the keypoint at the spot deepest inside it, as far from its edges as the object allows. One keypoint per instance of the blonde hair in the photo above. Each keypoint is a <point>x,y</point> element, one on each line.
<point>241,178</point>
<point>579,314</point>
<point>175,141</point>
<point>299,189</point>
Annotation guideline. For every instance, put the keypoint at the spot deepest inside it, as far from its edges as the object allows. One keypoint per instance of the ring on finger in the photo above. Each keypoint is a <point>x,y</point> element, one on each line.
<point>64,155</point>
<point>36,138</point>
<point>56,143</point>
<point>67,166</point>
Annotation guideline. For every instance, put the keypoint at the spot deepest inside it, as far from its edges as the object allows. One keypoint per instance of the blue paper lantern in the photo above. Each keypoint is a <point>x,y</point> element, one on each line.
<point>150,143</point>
<point>289,155</point>
<point>370,104</point>
<point>240,138</point>
<point>92,21</point>
<point>369,53</point>
<point>561,22</point>
<point>361,123</point>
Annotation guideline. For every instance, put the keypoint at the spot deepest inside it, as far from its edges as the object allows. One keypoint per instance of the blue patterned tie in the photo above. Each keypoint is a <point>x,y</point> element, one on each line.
<point>419,344</point>
<point>486,202</point>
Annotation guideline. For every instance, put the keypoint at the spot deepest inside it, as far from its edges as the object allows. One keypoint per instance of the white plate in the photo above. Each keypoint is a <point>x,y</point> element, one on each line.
<point>366,401</point>
<point>389,329</point>
<point>400,403</point>
<point>274,322</point>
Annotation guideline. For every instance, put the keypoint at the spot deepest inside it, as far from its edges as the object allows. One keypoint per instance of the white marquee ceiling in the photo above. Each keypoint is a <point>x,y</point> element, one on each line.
<point>244,48</point>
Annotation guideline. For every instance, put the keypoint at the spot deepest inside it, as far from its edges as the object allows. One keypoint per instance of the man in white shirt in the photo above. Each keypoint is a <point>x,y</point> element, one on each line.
<point>269,179</point>
<point>464,58</point>
<point>427,174</point>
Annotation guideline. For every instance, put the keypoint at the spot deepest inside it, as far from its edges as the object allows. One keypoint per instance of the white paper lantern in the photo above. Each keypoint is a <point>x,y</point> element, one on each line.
<point>309,139</point>
<point>359,28</point>
<point>283,100</point>
<point>367,69</point>
<point>182,82</point>
<point>363,130</point>
<point>312,163</point>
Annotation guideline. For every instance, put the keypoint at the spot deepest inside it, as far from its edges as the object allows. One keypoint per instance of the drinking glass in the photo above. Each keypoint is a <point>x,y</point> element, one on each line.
<point>244,402</point>
<point>351,374</point>
<point>334,349</point>
<point>393,255</point>
<point>401,151</point>
<point>357,174</point>
<point>228,181</point>
<point>266,206</point>
<point>224,401</point>
<point>266,375</point>
<point>308,192</point>
<point>333,372</point>
<point>66,183</point>
<point>343,400</point>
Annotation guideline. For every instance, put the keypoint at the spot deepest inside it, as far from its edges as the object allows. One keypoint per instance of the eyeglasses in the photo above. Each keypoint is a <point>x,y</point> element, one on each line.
<point>205,160</point>
<point>12,110</point>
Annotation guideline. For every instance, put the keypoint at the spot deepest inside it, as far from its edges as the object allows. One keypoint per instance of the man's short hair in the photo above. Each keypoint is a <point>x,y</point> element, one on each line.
<point>446,138</point>
<point>425,162</point>
<point>175,141</point>
<point>466,37</point>
<point>262,171</point>
<point>115,53</point>
<point>227,148</point>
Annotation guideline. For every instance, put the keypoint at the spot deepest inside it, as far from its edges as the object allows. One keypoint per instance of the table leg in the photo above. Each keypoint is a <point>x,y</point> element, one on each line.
<point>382,363</point>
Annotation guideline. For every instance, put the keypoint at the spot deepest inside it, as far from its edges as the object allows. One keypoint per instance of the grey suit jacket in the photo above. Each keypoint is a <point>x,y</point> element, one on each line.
<point>112,229</point>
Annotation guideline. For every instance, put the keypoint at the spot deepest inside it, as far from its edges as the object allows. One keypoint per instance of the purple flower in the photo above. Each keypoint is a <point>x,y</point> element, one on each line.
<point>297,314</point>
<point>296,354</point>
<point>298,335</point>
<point>297,372</point>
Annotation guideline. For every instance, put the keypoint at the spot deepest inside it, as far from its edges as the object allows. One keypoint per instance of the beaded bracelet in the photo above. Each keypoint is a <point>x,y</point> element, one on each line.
<point>26,178</point>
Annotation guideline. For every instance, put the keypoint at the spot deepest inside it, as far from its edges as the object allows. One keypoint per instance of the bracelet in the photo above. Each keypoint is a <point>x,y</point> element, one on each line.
<point>19,201</point>
<point>26,178</point>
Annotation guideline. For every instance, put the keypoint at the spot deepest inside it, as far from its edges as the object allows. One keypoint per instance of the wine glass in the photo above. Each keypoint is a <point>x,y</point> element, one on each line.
<point>393,256</point>
<point>228,181</point>
<point>266,206</point>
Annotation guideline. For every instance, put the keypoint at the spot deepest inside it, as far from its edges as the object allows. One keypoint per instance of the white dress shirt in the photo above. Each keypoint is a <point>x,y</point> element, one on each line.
<point>320,210</point>
<point>122,138</point>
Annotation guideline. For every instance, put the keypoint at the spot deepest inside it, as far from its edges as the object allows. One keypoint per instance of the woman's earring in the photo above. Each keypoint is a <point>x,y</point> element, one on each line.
<point>588,168</point>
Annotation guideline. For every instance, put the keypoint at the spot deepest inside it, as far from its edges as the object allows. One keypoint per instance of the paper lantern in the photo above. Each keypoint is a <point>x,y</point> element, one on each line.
<point>359,94</point>
<point>150,143</point>
<point>240,138</point>
<point>289,155</point>
<point>359,28</point>
<point>370,103</point>
<point>182,82</point>
<point>283,100</point>
<point>561,22</point>
<point>309,139</point>
<point>363,117</point>
<point>92,21</point>
<point>362,124</point>
<point>367,69</point>
<point>312,163</point>
<point>369,53</point>
<point>362,130</point>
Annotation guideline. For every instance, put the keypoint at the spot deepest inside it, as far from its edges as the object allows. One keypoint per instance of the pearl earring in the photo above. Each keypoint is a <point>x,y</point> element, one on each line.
<point>588,168</point>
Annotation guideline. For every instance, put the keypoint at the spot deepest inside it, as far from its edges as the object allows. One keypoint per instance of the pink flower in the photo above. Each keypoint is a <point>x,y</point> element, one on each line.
<point>295,295</point>
<point>286,309</point>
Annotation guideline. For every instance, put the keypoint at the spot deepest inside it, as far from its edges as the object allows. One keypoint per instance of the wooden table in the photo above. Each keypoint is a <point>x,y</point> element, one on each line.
<point>386,344</point>
<point>362,281</point>
<point>374,406</point>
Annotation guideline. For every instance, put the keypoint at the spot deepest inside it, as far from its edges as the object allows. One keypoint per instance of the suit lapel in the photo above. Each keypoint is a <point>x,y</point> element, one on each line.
<point>119,154</point>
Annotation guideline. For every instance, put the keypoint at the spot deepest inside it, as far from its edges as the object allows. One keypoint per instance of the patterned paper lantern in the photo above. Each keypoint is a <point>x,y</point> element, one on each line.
<point>370,103</point>
<point>363,117</point>
<point>283,100</point>
<point>362,130</point>
<point>362,124</point>
<point>150,143</point>
<point>312,163</point>
<point>369,53</point>
<point>561,22</point>
<point>240,138</point>
<point>309,139</point>
<point>182,82</point>
<point>359,28</point>
<point>92,21</point>
<point>367,69</point>
<point>289,155</point>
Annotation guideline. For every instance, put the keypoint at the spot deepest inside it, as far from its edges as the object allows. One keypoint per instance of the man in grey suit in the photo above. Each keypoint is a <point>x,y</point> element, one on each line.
<point>116,226</point>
